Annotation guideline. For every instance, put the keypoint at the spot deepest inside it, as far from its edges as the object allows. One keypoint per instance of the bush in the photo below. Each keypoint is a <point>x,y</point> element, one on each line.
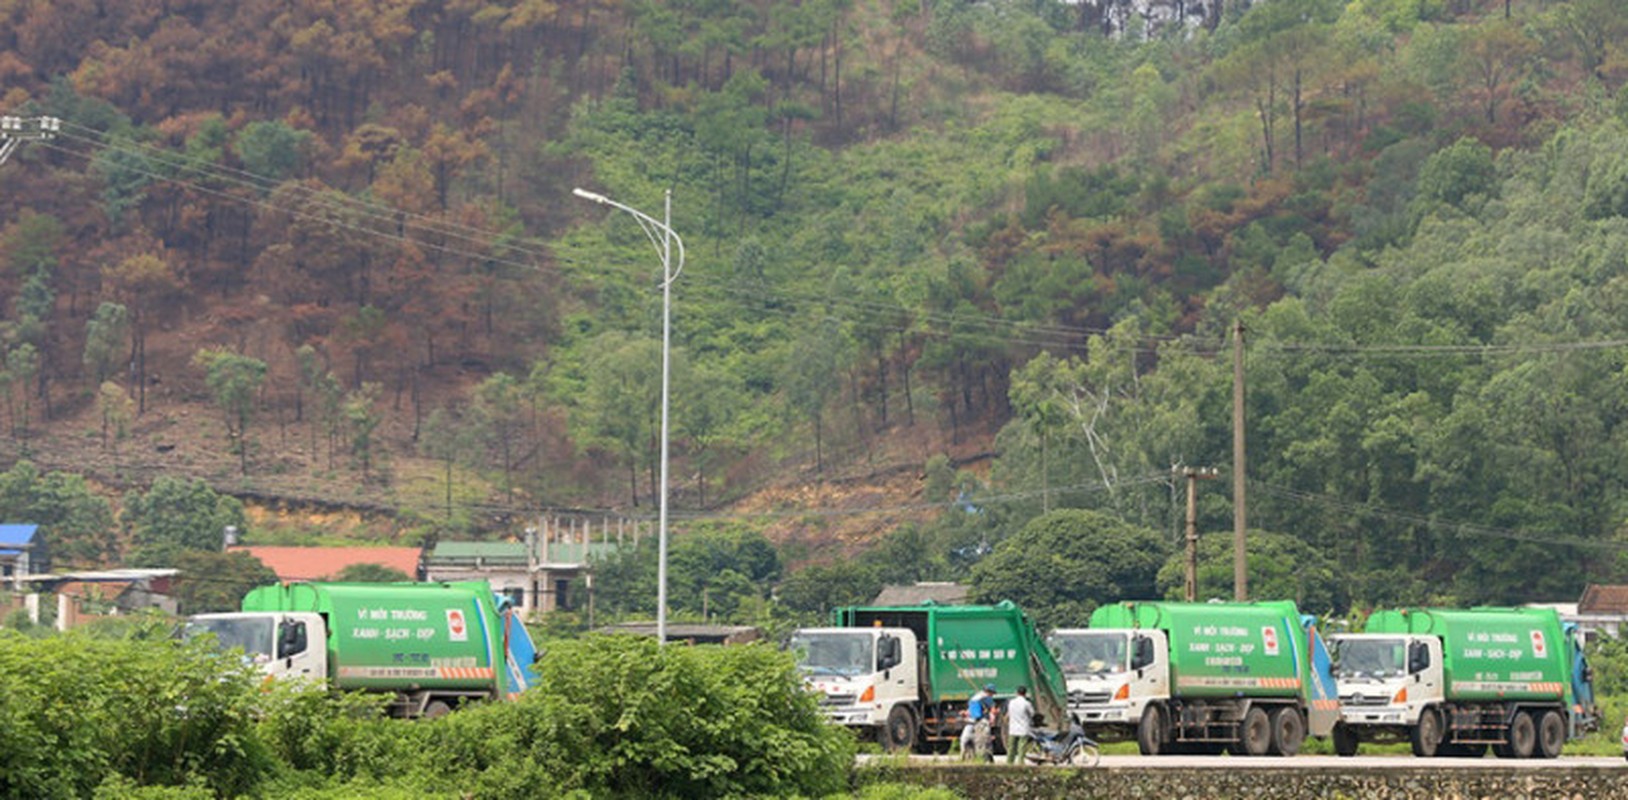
<point>77,712</point>
<point>618,716</point>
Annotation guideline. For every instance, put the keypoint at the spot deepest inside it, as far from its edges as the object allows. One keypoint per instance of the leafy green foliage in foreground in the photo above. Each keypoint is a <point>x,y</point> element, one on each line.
<point>618,717</point>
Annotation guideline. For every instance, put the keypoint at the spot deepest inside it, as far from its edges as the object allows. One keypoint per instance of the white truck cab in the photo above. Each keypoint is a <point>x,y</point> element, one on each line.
<point>282,644</point>
<point>1112,674</point>
<point>1386,681</point>
<point>862,675</point>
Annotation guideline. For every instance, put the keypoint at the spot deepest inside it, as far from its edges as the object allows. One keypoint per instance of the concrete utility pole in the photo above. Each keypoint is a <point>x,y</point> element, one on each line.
<point>1193,476</point>
<point>1240,578</point>
<point>16,130</point>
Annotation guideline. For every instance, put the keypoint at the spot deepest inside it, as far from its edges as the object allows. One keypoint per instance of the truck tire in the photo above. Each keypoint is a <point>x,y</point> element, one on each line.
<point>1551,734</point>
<point>1427,735</point>
<point>1150,732</point>
<point>1255,732</point>
<point>436,708</point>
<point>899,734</point>
<point>1519,739</point>
<point>1345,740</point>
<point>1288,731</point>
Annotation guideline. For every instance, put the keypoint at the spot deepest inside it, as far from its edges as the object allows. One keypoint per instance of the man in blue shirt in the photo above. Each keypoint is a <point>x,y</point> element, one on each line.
<point>975,735</point>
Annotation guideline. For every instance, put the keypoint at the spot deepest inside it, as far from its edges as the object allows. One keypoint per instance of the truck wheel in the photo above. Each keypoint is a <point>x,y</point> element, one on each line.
<point>1426,736</point>
<point>1345,740</point>
<point>1520,739</point>
<point>1551,734</point>
<point>899,735</point>
<point>1255,734</point>
<point>436,708</point>
<point>1150,733</point>
<point>1288,731</point>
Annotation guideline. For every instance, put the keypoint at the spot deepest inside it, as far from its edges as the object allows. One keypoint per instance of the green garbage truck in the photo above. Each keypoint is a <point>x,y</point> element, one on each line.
<point>1200,678</point>
<point>903,674</point>
<point>430,645</point>
<point>1453,682</point>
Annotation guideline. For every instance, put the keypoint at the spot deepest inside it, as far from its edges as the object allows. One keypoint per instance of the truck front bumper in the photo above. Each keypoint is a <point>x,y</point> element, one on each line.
<point>855,717</point>
<point>1104,714</point>
<point>1373,715</point>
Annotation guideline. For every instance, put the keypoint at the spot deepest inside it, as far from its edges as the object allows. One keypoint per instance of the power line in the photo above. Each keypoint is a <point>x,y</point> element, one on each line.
<point>404,221</point>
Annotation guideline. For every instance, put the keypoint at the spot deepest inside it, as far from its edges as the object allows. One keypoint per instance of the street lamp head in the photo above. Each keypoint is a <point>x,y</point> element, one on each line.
<point>587,195</point>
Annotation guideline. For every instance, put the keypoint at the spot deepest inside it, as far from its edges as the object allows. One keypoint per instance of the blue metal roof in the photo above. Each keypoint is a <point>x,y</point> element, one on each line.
<point>12,537</point>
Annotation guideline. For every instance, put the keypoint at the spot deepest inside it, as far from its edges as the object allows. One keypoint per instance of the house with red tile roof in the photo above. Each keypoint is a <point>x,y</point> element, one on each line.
<point>325,563</point>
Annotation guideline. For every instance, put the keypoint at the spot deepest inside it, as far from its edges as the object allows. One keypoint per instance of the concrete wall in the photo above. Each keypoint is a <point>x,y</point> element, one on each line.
<point>1117,783</point>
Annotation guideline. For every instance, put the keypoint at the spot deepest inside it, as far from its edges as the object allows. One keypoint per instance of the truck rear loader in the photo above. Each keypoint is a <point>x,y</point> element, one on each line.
<point>431,645</point>
<point>1453,682</point>
<point>1200,678</point>
<point>903,674</point>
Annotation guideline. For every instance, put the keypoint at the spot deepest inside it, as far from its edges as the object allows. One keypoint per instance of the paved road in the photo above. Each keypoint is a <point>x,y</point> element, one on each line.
<point>1328,762</point>
<point>1358,762</point>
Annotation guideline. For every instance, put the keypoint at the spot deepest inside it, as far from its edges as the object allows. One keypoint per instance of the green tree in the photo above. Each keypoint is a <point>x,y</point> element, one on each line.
<point>106,332</point>
<point>1280,567</point>
<point>1063,565</point>
<point>75,523</point>
<point>498,413</point>
<point>812,367</point>
<point>371,573</point>
<point>117,410</point>
<point>22,365</point>
<point>362,418</point>
<point>270,149</point>
<point>174,516</point>
<point>815,590</point>
<point>235,381</point>
<point>210,581</point>
<point>447,439</point>
<point>709,401</point>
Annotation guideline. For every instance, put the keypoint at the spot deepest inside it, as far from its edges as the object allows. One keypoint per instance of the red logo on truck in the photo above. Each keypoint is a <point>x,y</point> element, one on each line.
<point>1539,648</point>
<point>456,629</point>
<point>1269,640</point>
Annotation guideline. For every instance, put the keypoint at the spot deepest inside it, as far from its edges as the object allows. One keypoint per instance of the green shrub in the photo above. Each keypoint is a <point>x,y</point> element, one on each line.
<point>617,716</point>
<point>76,711</point>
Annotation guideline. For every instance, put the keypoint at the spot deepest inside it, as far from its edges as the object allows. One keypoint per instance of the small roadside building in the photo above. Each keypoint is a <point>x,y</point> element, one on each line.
<point>1602,610</point>
<point>538,575</point>
<point>944,593</point>
<point>21,553</point>
<point>90,594</point>
<point>325,563</point>
<point>691,633</point>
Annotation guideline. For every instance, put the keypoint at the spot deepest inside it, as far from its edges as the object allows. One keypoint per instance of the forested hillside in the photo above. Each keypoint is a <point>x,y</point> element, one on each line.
<point>330,250</point>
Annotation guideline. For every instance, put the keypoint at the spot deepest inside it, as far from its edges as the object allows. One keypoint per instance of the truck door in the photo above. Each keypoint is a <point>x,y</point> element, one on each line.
<point>1150,665</point>
<point>295,655</point>
<point>1424,664</point>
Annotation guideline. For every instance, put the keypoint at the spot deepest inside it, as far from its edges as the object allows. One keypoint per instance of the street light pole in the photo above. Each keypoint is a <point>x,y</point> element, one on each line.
<point>669,273</point>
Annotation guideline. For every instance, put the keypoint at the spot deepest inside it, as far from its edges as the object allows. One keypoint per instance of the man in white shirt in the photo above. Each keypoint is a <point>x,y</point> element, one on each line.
<point>1019,721</point>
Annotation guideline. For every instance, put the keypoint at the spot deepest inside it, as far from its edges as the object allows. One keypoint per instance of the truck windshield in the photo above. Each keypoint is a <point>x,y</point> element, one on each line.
<point>835,653</point>
<point>252,635</point>
<point>1092,653</point>
<point>1370,658</point>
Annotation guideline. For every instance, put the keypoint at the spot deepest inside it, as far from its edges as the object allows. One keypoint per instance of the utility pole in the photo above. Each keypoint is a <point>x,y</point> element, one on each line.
<point>1240,578</point>
<point>16,130</point>
<point>1193,476</point>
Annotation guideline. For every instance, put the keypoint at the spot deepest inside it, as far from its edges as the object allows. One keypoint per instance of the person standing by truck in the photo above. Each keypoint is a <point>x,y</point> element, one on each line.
<point>1019,722</point>
<point>978,710</point>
